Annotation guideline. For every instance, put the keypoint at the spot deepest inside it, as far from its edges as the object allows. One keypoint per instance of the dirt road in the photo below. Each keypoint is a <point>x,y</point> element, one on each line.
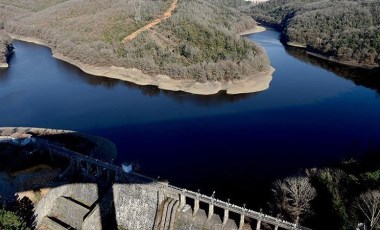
<point>167,14</point>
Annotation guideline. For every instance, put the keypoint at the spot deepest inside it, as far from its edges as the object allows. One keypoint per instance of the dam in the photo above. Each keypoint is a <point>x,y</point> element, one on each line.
<point>104,196</point>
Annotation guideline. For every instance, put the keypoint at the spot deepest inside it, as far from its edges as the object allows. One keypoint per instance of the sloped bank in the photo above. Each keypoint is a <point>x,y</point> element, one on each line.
<point>256,83</point>
<point>6,49</point>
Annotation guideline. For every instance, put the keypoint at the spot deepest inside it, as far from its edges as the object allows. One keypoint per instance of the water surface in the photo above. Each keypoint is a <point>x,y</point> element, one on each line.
<point>312,115</point>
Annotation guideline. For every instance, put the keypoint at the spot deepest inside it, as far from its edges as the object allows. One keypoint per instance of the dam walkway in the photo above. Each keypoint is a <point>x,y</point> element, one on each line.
<point>111,173</point>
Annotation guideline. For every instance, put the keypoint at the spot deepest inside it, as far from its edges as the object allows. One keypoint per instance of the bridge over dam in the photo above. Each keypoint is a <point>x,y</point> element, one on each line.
<point>104,196</point>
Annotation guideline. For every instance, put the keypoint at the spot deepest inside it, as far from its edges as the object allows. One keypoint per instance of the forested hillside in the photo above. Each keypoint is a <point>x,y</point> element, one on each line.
<point>348,31</point>
<point>200,41</point>
<point>5,47</point>
<point>337,197</point>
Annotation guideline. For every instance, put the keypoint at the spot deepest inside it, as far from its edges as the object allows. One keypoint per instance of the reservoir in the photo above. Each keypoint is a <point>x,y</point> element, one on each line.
<point>314,114</point>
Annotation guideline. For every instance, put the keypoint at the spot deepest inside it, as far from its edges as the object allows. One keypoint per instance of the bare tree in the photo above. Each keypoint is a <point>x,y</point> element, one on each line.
<point>293,196</point>
<point>369,204</point>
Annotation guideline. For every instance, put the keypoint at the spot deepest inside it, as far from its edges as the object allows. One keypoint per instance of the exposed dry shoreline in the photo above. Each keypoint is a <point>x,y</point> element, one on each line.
<point>254,84</point>
<point>257,29</point>
<point>4,65</point>
<point>332,59</point>
<point>346,63</point>
<point>297,45</point>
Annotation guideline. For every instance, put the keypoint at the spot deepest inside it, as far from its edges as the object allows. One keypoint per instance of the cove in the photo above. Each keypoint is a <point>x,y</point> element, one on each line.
<point>314,113</point>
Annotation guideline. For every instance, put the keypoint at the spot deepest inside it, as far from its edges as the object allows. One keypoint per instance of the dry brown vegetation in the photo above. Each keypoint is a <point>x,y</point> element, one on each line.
<point>199,41</point>
<point>369,204</point>
<point>5,47</point>
<point>293,197</point>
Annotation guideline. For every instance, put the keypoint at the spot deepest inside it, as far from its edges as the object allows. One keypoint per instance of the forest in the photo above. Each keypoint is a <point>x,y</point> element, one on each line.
<point>345,195</point>
<point>5,47</point>
<point>343,31</point>
<point>199,42</point>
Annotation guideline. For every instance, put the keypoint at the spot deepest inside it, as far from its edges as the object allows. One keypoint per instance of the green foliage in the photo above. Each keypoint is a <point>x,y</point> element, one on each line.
<point>373,177</point>
<point>215,43</point>
<point>199,42</point>
<point>338,189</point>
<point>346,30</point>
<point>11,221</point>
<point>332,182</point>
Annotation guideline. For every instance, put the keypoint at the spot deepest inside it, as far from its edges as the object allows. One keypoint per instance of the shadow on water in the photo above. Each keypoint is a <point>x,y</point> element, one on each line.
<point>362,77</point>
<point>48,179</point>
<point>32,167</point>
<point>3,76</point>
<point>202,100</point>
<point>27,171</point>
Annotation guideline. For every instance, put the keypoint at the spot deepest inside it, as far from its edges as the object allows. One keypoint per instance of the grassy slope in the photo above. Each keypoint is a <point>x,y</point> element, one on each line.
<point>198,42</point>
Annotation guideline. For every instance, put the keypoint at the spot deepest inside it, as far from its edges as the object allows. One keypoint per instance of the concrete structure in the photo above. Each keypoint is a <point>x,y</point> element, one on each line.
<point>141,202</point>
<point>107,197</point>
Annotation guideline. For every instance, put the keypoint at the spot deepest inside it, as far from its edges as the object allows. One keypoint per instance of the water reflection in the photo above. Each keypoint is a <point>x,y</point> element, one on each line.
<point>153,91</point>
<point>77,74</point>
<point>216,99</point>
<point>366,78</point>
<point>3,76</point>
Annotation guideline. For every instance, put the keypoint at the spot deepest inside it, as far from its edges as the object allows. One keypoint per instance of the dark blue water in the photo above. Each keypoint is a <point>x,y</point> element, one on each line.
<point>312,115</point>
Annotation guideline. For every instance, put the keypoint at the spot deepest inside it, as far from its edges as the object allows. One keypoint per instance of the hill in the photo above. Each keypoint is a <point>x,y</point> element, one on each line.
<point>199,42</point>
<point>344,31</point>
<point>5,49</point>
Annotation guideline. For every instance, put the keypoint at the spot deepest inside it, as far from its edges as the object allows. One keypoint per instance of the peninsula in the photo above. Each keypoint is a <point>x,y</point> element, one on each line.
<point>191,46</point>
<point>345,32</point>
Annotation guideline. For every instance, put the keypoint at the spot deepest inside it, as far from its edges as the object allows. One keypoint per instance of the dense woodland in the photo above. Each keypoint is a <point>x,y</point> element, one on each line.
<point>5,47</point>
<point>200,41</point>
<point>348,31</point>
<point>342,196</point>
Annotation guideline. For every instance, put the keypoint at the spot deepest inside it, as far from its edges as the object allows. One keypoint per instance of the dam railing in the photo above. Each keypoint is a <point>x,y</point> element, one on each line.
<point>228,207</point>
<point>97,167</point>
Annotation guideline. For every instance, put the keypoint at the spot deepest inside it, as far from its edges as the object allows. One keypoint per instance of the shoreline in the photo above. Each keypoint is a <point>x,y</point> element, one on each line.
<point>257,29</point>
<point>331,58</point>
<point>4,65</point>
<point>349,64</point>
<point>257,83</point>
<point>297,45</point>
<point>101,144</point>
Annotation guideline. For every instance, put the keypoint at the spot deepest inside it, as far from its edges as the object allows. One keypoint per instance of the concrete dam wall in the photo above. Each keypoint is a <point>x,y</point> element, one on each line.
<point>88,193</point>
